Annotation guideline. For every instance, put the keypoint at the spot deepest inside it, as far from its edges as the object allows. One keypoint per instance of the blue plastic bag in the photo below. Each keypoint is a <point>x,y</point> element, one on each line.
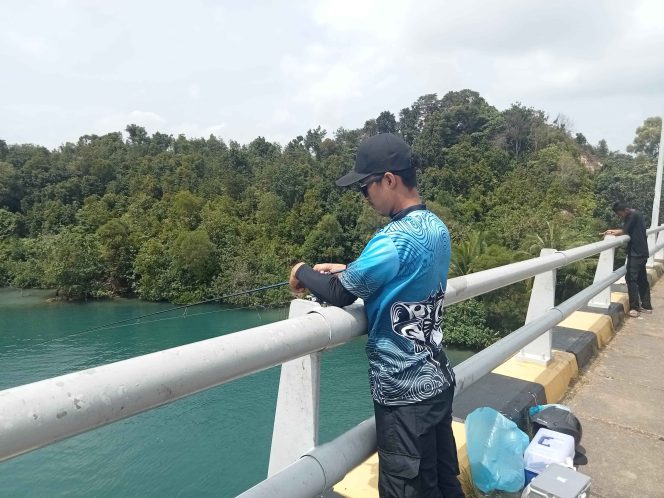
<point>495,448</point>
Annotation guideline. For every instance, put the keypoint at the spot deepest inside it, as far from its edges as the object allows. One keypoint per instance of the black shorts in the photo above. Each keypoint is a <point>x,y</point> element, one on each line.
<point>416,449</point>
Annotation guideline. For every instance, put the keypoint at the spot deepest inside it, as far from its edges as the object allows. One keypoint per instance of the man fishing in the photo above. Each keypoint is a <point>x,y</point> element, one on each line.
<point>638,287</point>
<point>401,275</point>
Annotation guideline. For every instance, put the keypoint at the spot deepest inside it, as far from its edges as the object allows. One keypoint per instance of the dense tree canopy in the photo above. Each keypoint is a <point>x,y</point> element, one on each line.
<point>647,138</point>
<point>171,218</point>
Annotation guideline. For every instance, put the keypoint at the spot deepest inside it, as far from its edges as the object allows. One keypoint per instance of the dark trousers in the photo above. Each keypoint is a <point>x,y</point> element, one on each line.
<point>637,283</point>
<point>417,453</point>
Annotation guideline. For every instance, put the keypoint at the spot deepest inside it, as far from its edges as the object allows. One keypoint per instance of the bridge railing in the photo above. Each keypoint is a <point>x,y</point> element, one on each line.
<point>37,414</point>
<point>325,465</point>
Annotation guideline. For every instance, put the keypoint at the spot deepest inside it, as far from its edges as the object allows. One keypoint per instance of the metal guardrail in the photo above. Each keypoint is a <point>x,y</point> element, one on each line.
<point>325,465</point>
<point>475,284</point>
<point>41,413</point>
<point>35,415</point>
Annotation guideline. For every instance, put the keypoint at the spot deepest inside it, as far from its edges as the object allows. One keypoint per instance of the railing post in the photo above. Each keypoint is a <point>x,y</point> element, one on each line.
<point>296,417</point>
<point>542,299</point>
<point>659,255</point>
<point>654,219</point>
<point>652,241</point>
<point>604,268</point>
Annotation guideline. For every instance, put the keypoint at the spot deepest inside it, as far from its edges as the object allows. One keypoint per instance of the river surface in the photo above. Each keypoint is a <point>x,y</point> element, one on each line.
<point>214,443</point>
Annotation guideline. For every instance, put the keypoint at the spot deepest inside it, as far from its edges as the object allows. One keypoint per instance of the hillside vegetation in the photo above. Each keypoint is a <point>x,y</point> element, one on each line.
<point>175,219</point>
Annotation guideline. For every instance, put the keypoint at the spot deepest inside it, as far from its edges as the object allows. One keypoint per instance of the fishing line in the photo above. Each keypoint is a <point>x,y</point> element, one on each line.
<point>69,336</point>
<point>187,306</point>
<point>136,320</point>
<point>184,307</point>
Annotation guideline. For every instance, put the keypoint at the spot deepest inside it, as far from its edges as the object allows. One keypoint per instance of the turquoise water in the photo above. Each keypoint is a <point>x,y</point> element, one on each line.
<point>215,443</point>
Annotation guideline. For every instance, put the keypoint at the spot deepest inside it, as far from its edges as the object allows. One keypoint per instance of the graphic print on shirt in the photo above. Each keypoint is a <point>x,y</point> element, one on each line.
<point>420,322</point>
<point>401,275</point>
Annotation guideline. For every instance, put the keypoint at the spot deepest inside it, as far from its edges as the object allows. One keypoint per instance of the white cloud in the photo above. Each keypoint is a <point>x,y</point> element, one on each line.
<point>282,116</point>
<point>197,130</point>
<point>27,45</point>
<point>154,122</point>
<point>649,16</point>
<point>194,91</point>
<point>81,66</point>
<point>119,121</point>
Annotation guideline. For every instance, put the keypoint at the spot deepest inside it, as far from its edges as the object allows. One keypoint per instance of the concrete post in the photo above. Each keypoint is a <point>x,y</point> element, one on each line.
<point>654,219</point>
<point>604,268</point>
<point>542,299</point>
<point>296,418</point>
<point>659,255</point>
<point>652,240</point>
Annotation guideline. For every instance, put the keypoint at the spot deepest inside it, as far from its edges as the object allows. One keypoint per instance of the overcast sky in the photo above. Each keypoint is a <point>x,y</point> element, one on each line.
<point>277,68</point>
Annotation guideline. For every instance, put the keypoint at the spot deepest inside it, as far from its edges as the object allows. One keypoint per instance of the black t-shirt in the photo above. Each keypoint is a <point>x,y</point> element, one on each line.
<point>635,227</point>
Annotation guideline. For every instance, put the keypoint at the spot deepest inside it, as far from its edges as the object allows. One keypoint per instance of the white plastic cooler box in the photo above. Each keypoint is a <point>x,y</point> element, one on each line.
<point>558,481</point>
<point>547,447</point>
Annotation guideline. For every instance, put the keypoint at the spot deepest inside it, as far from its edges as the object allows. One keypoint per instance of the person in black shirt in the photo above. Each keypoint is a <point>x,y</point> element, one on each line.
<point>637,256</point>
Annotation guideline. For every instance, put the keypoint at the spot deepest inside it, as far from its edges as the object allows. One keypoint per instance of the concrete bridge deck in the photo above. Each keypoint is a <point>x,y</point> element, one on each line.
<point>620,402</point>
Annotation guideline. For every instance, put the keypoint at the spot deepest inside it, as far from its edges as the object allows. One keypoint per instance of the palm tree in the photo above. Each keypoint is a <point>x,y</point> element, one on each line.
<point>466,254</point>
<point>572,277</point>
<point>555,237</point>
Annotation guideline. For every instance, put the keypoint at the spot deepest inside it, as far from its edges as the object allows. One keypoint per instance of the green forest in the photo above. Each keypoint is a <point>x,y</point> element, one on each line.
<point>177,219</point>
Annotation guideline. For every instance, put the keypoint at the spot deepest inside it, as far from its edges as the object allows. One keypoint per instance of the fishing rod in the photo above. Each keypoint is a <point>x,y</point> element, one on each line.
<point>187,306</point>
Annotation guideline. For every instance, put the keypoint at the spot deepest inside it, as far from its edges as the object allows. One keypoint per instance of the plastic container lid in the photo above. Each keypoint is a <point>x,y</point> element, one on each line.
<point>548,447</point>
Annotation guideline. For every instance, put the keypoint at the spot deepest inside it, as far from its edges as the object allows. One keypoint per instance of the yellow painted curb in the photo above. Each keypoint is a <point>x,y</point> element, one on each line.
<point>459,430</point>
<point>465,478</point>
<point>554,377</point>
<point>362,481</point>
<point>622,298</point>
<point>600,325</point>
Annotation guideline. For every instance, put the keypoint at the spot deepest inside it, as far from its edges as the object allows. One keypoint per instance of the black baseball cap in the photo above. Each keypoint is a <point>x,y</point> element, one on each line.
<point>378,154</point>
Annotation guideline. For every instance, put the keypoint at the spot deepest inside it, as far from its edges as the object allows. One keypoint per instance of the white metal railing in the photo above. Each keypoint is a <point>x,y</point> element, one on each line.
<point>323,466</point>
<point>654,218</point>
<point>35,415</point>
